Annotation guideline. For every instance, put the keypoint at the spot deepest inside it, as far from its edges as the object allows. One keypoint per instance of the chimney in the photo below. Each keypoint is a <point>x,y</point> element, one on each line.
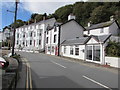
<point>71,16</point>
<point>89,23</point>
<point>112,18</point>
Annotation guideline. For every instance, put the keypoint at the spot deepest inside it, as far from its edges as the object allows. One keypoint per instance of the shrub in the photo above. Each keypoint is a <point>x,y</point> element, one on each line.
<point>113,49</point>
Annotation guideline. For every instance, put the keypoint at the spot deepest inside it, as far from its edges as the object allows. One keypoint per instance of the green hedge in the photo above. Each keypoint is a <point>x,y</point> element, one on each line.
<point>113,49</point>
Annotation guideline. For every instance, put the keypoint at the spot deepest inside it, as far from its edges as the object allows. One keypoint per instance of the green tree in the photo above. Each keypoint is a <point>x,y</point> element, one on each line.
<point>18,23</point>
<point>113,49</point>
<point>63,12</point>
<point>100,14</point>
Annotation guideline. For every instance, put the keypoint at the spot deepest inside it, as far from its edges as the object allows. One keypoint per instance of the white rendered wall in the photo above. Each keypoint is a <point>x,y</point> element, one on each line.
<point>113,61</point>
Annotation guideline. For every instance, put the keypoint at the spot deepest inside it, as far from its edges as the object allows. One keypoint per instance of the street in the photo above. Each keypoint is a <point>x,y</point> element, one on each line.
<point>55,72</point>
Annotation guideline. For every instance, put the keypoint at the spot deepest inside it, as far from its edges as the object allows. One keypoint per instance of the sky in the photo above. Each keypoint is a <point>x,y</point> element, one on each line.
<point>25,9</point>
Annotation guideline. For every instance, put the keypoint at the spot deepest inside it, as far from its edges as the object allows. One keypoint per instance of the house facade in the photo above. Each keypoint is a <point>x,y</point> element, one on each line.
<point>1,34</point>
<point>91,49</point>
<point>56,34</point>
<point>32,37</point>
<point>105,28</point>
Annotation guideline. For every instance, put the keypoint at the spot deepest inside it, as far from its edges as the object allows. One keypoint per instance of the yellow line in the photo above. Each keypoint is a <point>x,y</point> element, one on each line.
<point>29,78</point>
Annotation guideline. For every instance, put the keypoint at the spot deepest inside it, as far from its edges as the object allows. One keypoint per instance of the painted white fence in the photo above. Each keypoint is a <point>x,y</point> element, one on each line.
<point>113,61</point>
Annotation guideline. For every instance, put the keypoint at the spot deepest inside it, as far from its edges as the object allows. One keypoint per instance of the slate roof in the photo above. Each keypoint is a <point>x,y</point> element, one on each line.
<point>75,41</point>
<point>84,40</point>
<point>38,22</point>
<point>100,25</point>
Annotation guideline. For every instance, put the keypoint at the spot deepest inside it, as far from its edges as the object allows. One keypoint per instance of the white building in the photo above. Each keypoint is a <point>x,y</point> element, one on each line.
<point>32,37</point>
<point>105,28</point>
<point>1,34</point>
<point>56,34</point>
<point>90,48</point>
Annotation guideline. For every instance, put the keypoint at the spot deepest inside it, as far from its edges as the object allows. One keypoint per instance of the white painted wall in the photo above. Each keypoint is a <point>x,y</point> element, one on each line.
<point>99,31</point>
<point>67,54</point>
<point>113,61</point>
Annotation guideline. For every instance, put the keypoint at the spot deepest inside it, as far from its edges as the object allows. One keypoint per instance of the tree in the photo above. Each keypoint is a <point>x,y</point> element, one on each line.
<point>18,23</point>
<point>63,12</point>
<point>100,14</point>
<point>39,17</point>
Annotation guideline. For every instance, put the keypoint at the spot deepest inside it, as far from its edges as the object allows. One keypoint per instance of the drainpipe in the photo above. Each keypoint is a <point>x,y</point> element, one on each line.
<point>59,40</point>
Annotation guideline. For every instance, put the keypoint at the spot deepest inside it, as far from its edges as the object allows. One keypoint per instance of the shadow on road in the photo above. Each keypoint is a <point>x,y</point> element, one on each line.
<point>52,82</point>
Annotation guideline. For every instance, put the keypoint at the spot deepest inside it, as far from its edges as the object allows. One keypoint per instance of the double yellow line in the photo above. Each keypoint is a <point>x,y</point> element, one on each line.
<point>28,76</point>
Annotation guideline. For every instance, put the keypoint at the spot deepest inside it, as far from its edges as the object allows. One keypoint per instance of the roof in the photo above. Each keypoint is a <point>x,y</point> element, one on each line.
<point>38,22</point>
<point>100,25</point>
<point>75,41</point>
<point>102,38</point>
<point>84,40</point>
<point>72,20</point>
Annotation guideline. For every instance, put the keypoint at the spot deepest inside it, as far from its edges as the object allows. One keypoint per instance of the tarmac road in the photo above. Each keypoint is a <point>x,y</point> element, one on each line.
<point>55,72</point>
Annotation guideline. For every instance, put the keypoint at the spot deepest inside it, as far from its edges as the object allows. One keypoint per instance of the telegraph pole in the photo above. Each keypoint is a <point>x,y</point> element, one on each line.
<point>13,45</point>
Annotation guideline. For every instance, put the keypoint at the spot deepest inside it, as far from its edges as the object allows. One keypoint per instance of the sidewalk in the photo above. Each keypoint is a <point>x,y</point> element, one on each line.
<point>22,80</point>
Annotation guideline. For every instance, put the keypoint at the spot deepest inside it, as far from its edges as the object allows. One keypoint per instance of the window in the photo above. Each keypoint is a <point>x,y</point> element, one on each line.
<point>71,50</point>
<point>23,43</point>
<point>89,52</point>
<point>52,48</point>
<point>64,49</point>
<point>39,42</point>
<point>31,34</point>
<point>47,32</point>
<point>76,50</point>
<point>47,40</point>
<point>101,31</point>
<point>17,42</point>
<point>26,43</point>
<point>30,42</point>
<point>55,29</point>
<point>96,53</point>
<point>18,35</point>
<point>54,38</point>
<point>23,35</point>
<point>48,48</point>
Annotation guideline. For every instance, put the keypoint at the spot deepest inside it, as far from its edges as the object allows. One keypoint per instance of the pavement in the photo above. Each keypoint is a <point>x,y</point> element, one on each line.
<point>56,72</point>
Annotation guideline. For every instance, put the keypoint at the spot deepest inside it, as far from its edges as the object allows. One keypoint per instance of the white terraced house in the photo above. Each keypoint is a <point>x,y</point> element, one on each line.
<point>56,34</point>
<point>32,37</point>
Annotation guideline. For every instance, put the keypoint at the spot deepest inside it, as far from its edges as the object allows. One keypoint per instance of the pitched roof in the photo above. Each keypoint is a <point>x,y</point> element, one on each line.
<point>75,41</point>
<point>72,20</point>
<point>100,25</point>
<point>38,22</point>
<point>84,40</point>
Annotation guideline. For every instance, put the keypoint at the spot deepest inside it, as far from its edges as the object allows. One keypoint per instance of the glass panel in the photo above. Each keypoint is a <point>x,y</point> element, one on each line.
<point>89,52</point>
<point>96,53</point>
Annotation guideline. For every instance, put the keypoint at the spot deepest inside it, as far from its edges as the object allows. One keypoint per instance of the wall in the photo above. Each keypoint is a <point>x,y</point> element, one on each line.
<point>67,54</point>
<point>71,30</point>
<point>98,31</point>
<point>114,29</point>
<point>113,61</point>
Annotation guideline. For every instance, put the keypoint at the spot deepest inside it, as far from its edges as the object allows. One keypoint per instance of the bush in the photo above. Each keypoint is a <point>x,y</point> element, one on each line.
<point>113,49</point>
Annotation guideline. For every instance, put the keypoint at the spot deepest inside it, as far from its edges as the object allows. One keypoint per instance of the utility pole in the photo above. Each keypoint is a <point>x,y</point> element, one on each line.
<point>13,45</point>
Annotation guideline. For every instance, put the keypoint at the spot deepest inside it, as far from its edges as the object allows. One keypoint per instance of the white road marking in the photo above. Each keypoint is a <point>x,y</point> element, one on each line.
<point>97,82</point>
<point>58,64</point>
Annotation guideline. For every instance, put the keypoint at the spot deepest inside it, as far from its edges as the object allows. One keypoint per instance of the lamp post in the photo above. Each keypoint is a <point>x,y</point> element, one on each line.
<point>16,6</point>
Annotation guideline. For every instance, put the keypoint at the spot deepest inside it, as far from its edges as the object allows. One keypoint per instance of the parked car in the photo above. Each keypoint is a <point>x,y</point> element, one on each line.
<point>3,63</point>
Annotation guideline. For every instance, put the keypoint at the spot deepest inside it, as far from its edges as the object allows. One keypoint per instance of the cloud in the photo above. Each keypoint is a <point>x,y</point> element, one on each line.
<point>43,7</point>
<point>38,6</point>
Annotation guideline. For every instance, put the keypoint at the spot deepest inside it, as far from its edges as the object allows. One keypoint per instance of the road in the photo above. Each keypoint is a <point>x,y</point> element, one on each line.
<point>55,72</point>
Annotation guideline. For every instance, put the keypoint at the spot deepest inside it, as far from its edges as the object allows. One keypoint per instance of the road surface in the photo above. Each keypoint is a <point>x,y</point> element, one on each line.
<point>55,72</point>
